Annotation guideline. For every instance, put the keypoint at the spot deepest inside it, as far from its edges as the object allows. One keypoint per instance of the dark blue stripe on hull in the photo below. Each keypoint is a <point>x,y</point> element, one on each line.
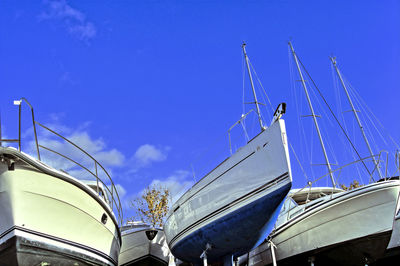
<point>236,233</point>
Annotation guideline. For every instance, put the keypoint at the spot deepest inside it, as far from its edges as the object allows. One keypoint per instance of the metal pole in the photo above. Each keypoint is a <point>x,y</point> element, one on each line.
<point>230,144</point>
<point>252,86</point>
<point>97,179</point>
<point>204,254</point>
<point>19,127</point>
<point>34,131</point>
<point>272,246</point>
<point>204,257</point>
<point>386,168</point>
<point>33,123</point>
<point>311,260</point>
<point>356,115</point>
<point>313,116</point>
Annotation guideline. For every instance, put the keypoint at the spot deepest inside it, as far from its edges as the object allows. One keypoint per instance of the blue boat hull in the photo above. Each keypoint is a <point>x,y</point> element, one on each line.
<point>236,233</point>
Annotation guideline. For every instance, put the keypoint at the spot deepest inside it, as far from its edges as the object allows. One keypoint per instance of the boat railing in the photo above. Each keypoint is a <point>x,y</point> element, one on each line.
<point>239,122</point>
<point>114,202</point>
<point>340,170</point>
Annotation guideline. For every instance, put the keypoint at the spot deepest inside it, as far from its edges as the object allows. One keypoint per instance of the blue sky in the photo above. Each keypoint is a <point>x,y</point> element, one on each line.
<point>151,87</point>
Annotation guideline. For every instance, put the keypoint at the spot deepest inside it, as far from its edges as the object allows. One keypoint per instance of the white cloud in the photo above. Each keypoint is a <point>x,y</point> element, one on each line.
<point>72,19</point>
<point>177,183</point>
<point>96,147</point>
<point>66,78</point>
<point>121,190</point>
<point>111,157</point>
<point>146,154</point>
<point>83,31</point>
<point>60,9</point>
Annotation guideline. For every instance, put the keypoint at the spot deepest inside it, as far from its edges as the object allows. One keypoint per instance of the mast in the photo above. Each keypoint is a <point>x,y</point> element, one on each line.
<point>333,60</point>
<point>313,116</point>
<point>252,86</point>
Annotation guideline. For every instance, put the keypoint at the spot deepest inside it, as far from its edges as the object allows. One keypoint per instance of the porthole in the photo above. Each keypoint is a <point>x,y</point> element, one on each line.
<point>104,218</point>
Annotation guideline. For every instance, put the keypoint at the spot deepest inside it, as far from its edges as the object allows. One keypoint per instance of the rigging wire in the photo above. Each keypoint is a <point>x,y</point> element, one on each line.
<point>243,93</point>
<point>367,111</point>
<point>363,105</point>
<point>257,87</point>
<point>369,116</point>
<point>333,114</point>
<point>311,148</point>
<point>365,115</point>
<point>243,90</point>
<point>305,153</point>
<point>243,77</point>
<point>341,112</point>
<point>323,129</point>
<point>298,161</point>
<point>262,88</point>
<point>243,122</point>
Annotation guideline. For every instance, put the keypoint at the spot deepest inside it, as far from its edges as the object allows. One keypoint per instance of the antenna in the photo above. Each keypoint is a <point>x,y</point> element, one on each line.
<point>252,86</point>
<point>313,116</point>
<point>333,60</point>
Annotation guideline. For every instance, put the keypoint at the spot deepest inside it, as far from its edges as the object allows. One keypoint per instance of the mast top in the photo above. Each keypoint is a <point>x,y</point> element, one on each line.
<point>333,59</point>
<point>252,87</point>
<point>290,45</point>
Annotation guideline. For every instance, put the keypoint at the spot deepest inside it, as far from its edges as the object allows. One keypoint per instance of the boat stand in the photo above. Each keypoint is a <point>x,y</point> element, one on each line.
<point>204,257</point>
<point>204,254</point>
<point>311,260</point>
<point>272,247</point>
<point>367,260</point>
<point>228,260</point>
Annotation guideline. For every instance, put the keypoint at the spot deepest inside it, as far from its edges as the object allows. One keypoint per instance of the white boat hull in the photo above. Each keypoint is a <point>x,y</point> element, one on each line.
<point>236,204</point>
<point>348,229</point>
<point>393,248</point>
<point>137,249</point>
<point>47,219</point>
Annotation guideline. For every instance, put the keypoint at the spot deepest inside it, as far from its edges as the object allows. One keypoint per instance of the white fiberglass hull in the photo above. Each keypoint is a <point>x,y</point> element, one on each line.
<point>394,243</point>
<point>54,220</point>
<point>137,249</point>
<point>236,204</point>
<point>351,228</point>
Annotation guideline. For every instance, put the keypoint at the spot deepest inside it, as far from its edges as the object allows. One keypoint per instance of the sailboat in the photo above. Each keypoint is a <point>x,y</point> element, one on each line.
<point>49,217</point>
<point>233,207</point>
<point>330,226</point>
